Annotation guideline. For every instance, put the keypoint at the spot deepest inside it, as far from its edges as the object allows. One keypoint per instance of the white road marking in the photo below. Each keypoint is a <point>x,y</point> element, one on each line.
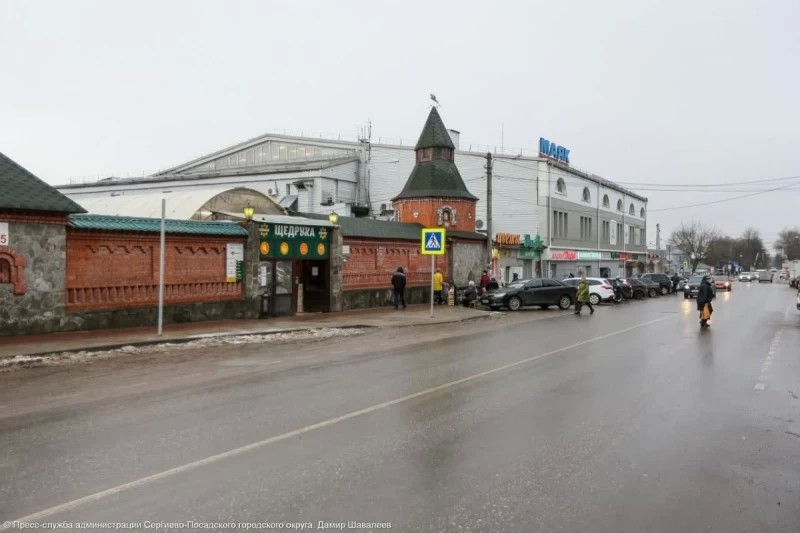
<point>761,384</point>
<point>35,517</point>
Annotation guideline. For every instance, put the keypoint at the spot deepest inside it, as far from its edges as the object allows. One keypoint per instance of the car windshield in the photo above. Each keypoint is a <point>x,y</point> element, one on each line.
<point>695,279</point>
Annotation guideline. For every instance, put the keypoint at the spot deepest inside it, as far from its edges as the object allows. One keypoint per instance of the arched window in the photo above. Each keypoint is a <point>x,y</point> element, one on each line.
<point>587,196</point>
<point>606,203</point>
<point>561,187</point>
<point>619,206</point>
<point>632,210</point>
<point>641,212</point>
<point>5,270</point>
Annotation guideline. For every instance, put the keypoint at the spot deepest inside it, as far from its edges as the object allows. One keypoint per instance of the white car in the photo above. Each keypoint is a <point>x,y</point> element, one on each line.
<point>599,289</point>
<point>745,276</point>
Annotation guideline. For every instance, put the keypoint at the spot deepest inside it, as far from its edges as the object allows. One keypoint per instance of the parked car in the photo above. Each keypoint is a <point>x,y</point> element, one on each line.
<point>664,283</point>
<point>722,283</point>
<point>624,286</point>
<point>543,292</point>
<point>754,276</point>
<point>639,288</point>
<point>745,276</point>
<point>653,287</point>
<point>765,277</point>
<point>600,290</point>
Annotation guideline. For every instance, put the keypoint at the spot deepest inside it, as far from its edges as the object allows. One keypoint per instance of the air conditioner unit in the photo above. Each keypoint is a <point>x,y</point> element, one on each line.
<point>479,224</point>
<point>327,200</point>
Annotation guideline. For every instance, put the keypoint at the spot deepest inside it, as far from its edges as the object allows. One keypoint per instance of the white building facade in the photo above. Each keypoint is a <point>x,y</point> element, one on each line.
<point>583,222</point>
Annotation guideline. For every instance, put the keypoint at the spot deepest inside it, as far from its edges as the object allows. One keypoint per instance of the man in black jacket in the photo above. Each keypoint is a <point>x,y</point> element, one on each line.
<point>399,288</point>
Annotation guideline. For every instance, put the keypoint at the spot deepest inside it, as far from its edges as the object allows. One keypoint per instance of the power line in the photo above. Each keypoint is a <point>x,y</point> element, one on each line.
<point>720,201</point>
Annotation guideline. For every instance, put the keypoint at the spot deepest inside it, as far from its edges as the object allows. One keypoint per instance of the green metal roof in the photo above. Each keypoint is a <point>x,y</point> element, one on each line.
<point>376,229</point>
<point>435,179</point>
<point>153,225</point>
<point>19,189</point>
<point>434,134</point>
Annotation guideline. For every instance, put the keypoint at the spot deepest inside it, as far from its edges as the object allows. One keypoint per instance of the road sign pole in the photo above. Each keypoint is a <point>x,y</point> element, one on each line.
<point>433,258</point>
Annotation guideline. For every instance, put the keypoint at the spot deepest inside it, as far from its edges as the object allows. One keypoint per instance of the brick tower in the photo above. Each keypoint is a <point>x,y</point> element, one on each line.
<point>435,194</point>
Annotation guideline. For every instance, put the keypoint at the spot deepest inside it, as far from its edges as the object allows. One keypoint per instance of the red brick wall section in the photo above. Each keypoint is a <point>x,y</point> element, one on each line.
<point>116,270</point>
<point>371,263</point>
<point>427,212</point>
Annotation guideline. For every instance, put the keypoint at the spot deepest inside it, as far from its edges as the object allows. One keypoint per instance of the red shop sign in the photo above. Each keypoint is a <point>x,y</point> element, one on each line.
<point>564,256</point>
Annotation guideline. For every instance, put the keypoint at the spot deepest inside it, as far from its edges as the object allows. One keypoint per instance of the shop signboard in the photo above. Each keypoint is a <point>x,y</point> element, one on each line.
<point>553,151</point>
<point>590,256</point>
<point>566,255</point>
<point>234,262</point>
<point>290,241</point>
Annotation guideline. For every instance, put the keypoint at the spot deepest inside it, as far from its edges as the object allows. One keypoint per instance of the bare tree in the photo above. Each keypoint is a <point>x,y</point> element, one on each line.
<point>789,243</point>
<point>695,240</point>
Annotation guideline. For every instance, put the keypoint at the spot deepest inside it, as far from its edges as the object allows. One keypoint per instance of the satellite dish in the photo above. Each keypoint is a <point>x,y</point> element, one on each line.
<point>479,224</point>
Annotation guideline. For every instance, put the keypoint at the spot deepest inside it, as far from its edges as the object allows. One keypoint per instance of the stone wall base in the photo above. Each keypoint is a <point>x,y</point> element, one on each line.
<point>130,317</point>
<point>367,298</point>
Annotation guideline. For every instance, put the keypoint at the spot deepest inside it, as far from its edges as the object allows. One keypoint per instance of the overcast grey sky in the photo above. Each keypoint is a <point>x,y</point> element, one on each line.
<point>642,92</point>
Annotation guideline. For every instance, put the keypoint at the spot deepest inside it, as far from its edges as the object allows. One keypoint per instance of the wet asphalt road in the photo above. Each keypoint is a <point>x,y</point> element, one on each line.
<point>629,420</point>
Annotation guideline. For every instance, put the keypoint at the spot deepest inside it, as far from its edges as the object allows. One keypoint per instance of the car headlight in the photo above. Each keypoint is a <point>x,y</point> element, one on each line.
<point>497,294</point>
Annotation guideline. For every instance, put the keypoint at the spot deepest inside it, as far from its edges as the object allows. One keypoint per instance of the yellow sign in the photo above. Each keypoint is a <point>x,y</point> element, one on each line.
<point>433,241</point>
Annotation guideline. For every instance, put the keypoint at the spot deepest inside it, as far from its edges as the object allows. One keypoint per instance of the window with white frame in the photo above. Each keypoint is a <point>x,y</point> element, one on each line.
<point>587,196</point>
<point>606,202</point>
<point>561,186</point>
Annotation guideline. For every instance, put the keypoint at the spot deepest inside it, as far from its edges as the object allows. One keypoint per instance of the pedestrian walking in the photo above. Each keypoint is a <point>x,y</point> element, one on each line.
<point>583,297</point>
<point>704,296</point>
<point>399,288</point>
<point>438,287</point>
<point>675,280</point>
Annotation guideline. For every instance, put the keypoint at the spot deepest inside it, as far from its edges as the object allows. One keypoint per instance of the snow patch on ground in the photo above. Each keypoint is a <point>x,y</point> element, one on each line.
<point>8,364</point>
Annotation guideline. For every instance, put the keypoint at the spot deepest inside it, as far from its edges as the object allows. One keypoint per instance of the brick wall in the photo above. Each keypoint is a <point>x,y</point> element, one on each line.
<point>117,270</point>
<point>371,263</point>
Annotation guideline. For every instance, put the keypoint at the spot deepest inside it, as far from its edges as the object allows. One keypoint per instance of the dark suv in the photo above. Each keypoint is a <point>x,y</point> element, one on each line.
<point>664,283</point>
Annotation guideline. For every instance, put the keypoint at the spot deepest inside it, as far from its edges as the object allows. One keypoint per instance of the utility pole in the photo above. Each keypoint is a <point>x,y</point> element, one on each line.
<point>489,207</point>
<point>658,237</point>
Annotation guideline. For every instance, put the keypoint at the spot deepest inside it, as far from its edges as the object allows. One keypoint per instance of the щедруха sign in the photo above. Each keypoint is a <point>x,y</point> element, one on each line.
<point>289,241</point>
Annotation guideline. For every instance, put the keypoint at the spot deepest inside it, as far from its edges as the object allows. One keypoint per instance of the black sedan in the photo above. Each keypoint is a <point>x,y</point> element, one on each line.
<point>692,287</point>
<point>639,288</point>
<point>541,292</point>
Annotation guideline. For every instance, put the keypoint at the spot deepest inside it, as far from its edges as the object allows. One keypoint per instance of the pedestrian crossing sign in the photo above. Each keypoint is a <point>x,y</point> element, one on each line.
<point>432,241</point>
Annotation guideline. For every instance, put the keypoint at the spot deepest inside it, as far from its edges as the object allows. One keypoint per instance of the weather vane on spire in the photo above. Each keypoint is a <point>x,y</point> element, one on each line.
<point>433,97</point>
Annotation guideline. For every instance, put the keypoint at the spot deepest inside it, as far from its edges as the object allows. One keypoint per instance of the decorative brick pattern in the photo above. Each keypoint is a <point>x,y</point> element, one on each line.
<point>428,211</point>
<point>117,270</point>
<point>371,263</point>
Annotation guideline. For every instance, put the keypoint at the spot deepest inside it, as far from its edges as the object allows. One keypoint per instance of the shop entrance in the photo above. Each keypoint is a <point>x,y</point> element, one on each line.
<point>288,287</point>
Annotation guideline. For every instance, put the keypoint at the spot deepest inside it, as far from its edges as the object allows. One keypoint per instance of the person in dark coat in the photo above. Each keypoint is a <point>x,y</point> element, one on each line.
<point>675,280</point>
<point>399,288</point>
<point>704,296</point>
<point>485,280</point>
<point>470,294</point>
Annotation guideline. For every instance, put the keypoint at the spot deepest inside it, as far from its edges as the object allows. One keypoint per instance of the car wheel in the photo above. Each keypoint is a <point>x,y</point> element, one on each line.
<point>594,299</point>
<point>564,302</point>
<point>544,306</point>
<point>664,291</point>
<point>514,303</point>
<point>652,293</point>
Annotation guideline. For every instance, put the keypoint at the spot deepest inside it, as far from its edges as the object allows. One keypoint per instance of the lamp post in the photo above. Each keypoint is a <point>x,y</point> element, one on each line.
<point>333,217</point>
<point>249,211</point>
<point>693,256</point>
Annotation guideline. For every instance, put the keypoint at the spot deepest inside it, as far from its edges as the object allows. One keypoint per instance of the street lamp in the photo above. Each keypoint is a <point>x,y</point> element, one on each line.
<point>249,211</point>
<point>333,217</point>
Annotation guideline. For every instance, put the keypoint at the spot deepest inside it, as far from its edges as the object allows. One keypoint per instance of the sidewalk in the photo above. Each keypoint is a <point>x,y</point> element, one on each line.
<point>415,315</point>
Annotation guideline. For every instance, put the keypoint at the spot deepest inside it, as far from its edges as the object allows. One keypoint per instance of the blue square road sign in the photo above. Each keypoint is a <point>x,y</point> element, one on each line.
<point>432,241</point>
